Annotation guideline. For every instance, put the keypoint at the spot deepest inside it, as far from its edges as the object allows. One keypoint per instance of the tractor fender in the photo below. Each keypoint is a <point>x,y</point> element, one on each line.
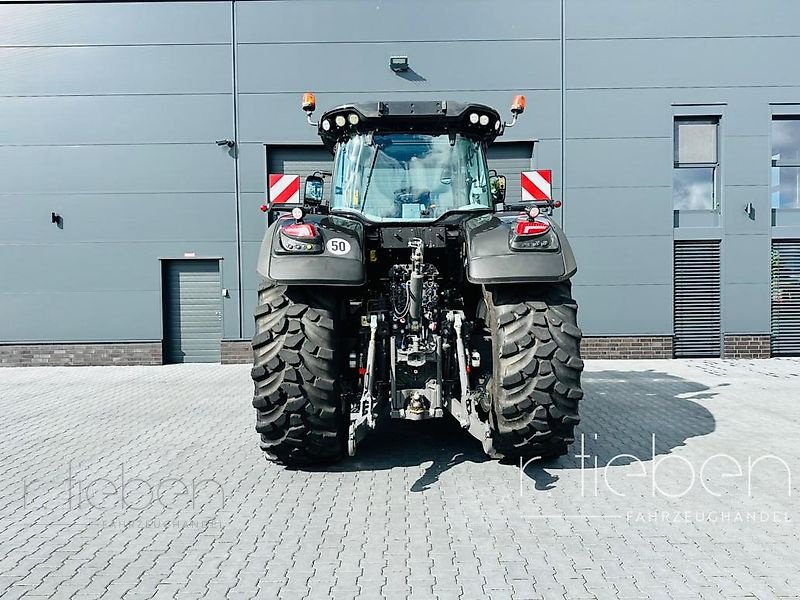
<point>339,260</point>
<point>491,258</point>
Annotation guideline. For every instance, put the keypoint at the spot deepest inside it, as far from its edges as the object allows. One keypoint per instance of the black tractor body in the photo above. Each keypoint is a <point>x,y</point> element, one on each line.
<point>416,291</point>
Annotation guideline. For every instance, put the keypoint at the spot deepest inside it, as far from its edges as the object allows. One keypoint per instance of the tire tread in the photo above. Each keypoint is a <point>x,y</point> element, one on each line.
<point>537,371</point>
<point>295,374</point>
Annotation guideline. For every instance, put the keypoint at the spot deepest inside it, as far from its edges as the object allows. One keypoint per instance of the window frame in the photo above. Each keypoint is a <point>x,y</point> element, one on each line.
<point>777,164</point>
<point>781,162</point>
<point>709,119</point>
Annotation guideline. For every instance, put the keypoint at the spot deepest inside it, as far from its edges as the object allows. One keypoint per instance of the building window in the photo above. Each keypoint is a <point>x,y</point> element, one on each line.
<point>785,162</point>
<point>696,164</point>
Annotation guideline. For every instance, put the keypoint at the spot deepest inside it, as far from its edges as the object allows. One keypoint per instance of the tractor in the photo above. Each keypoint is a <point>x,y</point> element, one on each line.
<point>413,288</point>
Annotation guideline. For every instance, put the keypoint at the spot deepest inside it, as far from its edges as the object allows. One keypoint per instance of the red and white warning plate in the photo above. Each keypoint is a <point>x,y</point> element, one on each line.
<point>537,185</point>
<point>284,189</point>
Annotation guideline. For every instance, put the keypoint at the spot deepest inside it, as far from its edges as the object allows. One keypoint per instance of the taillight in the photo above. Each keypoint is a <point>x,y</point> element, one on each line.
<point>532,227</point>
<point>304,231</point>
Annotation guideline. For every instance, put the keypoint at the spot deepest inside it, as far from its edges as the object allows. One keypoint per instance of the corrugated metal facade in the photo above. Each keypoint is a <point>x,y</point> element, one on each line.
<point>109,113</point>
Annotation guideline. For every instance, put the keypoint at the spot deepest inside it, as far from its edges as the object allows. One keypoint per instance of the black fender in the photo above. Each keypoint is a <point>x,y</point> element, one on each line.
<point>322,266</point>
<point>492,255</point>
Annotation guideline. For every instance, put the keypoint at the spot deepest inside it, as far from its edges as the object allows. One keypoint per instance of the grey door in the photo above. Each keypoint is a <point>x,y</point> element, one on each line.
<point>786,297</point>
<point>192,311</point>
<point>698,315</point>
<point>510,159</point>
<point>302,161</point>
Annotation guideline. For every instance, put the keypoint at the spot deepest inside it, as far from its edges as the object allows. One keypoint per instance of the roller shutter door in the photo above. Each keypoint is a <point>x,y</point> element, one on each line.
<point>510,159</point>
<point>786,297</point>
<point>698,331</point>
<point>302,161</point>
<point>192,311</point>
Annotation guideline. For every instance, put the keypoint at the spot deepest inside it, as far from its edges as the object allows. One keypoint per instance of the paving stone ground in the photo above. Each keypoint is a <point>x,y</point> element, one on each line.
<point>147,482</point>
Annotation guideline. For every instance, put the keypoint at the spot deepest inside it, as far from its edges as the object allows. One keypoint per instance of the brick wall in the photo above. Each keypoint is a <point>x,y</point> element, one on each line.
<point>627,347</point>
<point>746,346</point>
<point>77,355</point>
<point>240,352</point>
<point>236,352</point>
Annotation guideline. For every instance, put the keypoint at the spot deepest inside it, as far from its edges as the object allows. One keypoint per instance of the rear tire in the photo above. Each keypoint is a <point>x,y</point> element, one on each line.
<point>536,373</point>
<point>296,375</point>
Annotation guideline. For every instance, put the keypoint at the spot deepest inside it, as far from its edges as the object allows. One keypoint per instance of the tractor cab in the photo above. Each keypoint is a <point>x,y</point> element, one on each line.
<point>409,161</point>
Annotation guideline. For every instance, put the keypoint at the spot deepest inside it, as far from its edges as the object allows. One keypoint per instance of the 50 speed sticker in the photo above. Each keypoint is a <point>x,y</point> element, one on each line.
<point>338,246</point>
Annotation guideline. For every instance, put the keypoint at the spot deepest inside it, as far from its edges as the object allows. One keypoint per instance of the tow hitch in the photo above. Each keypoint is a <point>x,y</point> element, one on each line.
<point>364,420</point>
<point>463,408</point>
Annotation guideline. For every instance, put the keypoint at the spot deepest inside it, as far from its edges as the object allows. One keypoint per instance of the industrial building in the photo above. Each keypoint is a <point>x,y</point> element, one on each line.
<point>136,140</point>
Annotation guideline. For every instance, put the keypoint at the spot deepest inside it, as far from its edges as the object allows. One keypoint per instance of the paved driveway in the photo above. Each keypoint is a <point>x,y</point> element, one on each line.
<point>140,482</point>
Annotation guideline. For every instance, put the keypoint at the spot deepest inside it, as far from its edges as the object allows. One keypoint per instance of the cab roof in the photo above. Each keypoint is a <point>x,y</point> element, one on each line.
<point>476,121</point>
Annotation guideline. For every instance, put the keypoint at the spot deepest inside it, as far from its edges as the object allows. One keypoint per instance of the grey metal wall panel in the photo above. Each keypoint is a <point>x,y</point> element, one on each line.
<point>108,116</point>
<point>230,310</point>
<point>736,220</point>
<point>547,155</point>
<point>624,309</point>
<point>673,18</point>
<point>748,110</point>
<point>611,163</point>
<point>99,23</point>
<point>258,122</point>
<point>745,308</point>
<point>618,113</point>
<point>134,218</point>
<point>140,119</point>
<point>620,212</point>
<point>90,70</point>
<point>624,260</point>
<point>249,302</point>
<point>100,267</point>
<point>647,112</point>
<point>79,316</point>
<point>322,20</point>
<point>438,65</point>
<point>253,222</point>
<point>74,279</point>
<point>192,311</point>
<point>151,83</point>
<point>124,169</point>
<point>250,278</point>
<point>746,160</point>
<point>638,63</point>
<point>746,259</point>
<point>252,169</point>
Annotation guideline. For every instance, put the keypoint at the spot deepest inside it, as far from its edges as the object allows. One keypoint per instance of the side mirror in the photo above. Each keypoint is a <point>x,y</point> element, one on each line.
<point>312,194</point>
<point>497,186</point>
